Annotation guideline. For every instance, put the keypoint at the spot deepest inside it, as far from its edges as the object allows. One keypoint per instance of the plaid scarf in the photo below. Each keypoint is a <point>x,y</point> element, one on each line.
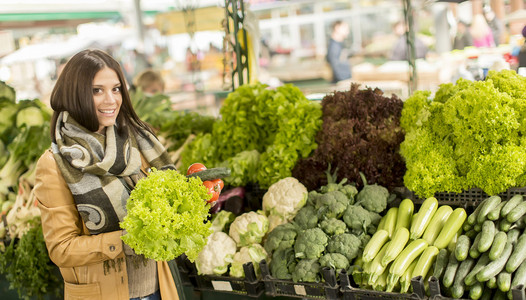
<point>102,170</point>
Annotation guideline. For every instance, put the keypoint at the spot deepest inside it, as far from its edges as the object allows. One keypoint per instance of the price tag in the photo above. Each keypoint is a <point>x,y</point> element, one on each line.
<point>300,290</point>
<point>222,285</point>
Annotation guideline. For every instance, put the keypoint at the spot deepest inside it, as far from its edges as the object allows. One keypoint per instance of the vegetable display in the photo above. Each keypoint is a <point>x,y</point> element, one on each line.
<point>411,249</point>
<point>360,133</point>
<point>470,135</point>
<point>279,124</point>
<point>26,264</point>
<point>330,230</point>
<point>490,255</point>
<point>166,216</point>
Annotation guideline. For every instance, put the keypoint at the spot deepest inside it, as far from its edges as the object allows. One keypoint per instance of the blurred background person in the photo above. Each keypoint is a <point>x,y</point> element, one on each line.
<point>150,82</point>
<point>495,24</point>
<point>399,51</point>
<point>481,32</point>
<point>337,56</point>
<point>522,51</point>
<point>463,37</point>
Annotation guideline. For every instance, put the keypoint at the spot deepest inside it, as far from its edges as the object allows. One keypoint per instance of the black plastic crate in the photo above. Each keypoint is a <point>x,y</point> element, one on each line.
<point>249,286</point>
<point>312,290</point>
<point>468,198</point>
<point>353,293</point>
<point>436,293</point>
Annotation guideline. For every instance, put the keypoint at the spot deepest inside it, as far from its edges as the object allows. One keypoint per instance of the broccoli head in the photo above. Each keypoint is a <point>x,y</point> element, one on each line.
<point>336,261</point>
<point>283,263</point>
<point>357,218</point>
<point>347,244</point>
<point>283,236</point>
<point>307,217</point>
<point>332,204</point>
<point>310,243</point>
<point>307,270</point>
<point>333,226</point>
<point>312,198</point>
<point>350,191</point>
<point>373,198</point>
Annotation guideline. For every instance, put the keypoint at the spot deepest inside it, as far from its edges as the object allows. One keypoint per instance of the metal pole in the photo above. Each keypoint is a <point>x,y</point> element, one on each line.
<point>140,24</point>
<point>411,51</point>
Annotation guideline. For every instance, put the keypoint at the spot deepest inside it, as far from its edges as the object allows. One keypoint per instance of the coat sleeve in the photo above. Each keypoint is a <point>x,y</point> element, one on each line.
<point>61,223</point>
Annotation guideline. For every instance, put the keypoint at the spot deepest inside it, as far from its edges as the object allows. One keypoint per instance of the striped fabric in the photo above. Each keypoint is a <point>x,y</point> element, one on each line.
<point>102,170</point>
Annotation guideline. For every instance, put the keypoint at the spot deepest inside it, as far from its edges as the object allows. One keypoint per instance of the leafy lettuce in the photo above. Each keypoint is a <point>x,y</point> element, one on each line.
<point>278,124</point>
<point>167,215</point>
<point>472,134</point>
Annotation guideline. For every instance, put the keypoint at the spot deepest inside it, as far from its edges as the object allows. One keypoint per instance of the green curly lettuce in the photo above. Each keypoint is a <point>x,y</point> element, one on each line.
<point>166,216</point>
<point>280,124</point>
<point>470,135</point>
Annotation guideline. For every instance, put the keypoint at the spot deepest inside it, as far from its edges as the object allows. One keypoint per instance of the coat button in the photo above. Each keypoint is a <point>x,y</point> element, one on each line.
<point>112,248</point>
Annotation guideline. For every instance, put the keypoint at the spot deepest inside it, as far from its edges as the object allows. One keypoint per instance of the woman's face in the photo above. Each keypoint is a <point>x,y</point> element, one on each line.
<point>107,97</point>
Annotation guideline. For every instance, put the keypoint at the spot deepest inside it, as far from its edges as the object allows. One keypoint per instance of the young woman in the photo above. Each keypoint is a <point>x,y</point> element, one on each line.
<point>100,148</point>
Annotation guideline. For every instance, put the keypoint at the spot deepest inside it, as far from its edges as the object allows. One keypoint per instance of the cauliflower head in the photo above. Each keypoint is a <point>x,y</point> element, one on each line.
<point>253,253</point>
<point>249,228</point>
<point>283,236</point>
<point>307,217</point>
<point>285,197</point>
<point>216,255</point>
<point>307,270</point>
<point>310,243</point>
<point>346,244</point>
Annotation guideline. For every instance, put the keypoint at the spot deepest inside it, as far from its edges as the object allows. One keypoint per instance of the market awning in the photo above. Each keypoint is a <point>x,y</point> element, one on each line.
<point>25,17</point>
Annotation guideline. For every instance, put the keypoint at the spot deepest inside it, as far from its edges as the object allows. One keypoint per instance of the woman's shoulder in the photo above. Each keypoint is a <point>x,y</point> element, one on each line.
<point>47,160</point>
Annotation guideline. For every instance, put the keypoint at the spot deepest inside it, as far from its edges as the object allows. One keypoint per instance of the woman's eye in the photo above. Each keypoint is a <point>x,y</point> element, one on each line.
<point>97,91</point>
<point>117,89</point>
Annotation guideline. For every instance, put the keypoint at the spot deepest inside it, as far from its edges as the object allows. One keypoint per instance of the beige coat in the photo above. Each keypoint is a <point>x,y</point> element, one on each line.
<point>79,255</point>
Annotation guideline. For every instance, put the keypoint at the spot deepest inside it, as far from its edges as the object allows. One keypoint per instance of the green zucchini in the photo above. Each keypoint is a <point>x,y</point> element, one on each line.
<point>495,213</point>
<point>471,278</point>
<point>474,250</point>
<point>475,291</point>
<point>510,205</point>
<point>499,242</point>
<point>518,255</point>
<point>505,225</point>
<point>472,218</point>
<point>517,212</point>
<point>487,236</point>
<point>513,235</point>
<point>504,281</point>
<point>211,174</point>
<point>519,277</point>
<point>492,282</point>
<point>462,247</point>
<point>494,267</point>
<point>457,290</point>
<point>441,264</point>
<point>451,270</point>
<point>487,205</point>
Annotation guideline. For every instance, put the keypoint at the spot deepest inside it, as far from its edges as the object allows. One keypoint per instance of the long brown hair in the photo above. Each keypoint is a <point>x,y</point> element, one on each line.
<point>73,93</point>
